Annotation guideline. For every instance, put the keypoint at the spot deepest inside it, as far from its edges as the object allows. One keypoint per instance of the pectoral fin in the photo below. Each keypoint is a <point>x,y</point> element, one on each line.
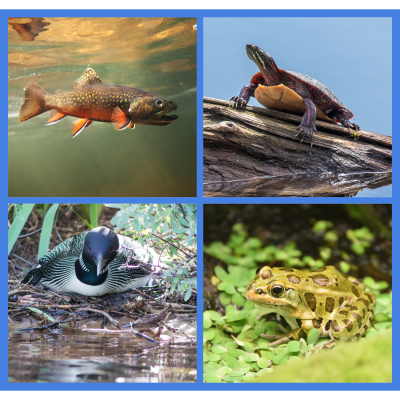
<point>79,125</point>
<point>119,119</point>
<point>55,116</point>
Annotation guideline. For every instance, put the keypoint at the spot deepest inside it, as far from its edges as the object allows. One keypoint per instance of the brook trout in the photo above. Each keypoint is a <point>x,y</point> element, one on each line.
<point>92,100</point>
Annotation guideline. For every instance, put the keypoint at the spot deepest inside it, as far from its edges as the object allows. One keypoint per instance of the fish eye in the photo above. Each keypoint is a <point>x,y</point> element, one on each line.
<point>277,290</point>
<point>159,103</point>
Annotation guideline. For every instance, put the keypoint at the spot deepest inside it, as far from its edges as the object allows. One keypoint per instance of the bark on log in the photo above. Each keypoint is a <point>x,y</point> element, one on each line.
<point>243,145</point>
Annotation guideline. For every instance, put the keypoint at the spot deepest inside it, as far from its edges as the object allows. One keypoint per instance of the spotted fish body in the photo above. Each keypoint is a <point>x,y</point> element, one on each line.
<point>92,100</point>
<point>64,269</point>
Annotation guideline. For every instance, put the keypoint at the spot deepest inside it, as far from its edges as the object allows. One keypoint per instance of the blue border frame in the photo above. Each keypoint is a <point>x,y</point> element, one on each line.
<point>199,14</point>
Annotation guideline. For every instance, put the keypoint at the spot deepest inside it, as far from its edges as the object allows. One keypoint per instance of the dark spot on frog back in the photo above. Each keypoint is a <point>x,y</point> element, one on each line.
<point>286,269</point>
<point>311,301</point>
<point>329,304</point>
<point>320,279</point>
<point>294,279</point>
<point>355,291</point>
<point>266,273</point>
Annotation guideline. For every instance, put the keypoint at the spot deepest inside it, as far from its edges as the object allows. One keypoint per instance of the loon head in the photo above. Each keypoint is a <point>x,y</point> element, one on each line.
<point>100,247</point>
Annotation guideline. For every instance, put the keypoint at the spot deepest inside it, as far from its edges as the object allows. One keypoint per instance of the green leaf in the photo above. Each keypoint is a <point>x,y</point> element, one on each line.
<point>206,322</point>
<point>263,362</point>
<point>188,293</point>
<point>293,346</point>
<point>211,378</point>
<point>94,214</point>
<point>313,336</point>
<point>18,224</point>
<point>46,230</point>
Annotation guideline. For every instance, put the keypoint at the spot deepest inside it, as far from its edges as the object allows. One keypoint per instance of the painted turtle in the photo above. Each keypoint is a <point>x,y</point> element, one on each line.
<point>293,92</point>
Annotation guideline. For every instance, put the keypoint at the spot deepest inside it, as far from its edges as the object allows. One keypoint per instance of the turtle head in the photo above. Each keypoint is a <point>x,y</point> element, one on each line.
<point>100,248</point>
<point>346,113</point>
<point>265,63</point>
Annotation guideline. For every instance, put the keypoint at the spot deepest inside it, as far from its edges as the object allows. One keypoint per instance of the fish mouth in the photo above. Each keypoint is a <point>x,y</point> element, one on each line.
<point>162,119</point>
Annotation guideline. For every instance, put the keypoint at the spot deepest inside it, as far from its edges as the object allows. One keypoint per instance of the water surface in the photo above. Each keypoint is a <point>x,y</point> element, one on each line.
<point>73,355</point>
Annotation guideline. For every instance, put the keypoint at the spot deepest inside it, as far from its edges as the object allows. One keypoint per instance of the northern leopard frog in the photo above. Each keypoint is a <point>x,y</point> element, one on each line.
<point>323,299</point>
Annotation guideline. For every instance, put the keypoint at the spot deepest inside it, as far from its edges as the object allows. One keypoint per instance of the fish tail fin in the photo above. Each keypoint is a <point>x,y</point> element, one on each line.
<point>34,103</point>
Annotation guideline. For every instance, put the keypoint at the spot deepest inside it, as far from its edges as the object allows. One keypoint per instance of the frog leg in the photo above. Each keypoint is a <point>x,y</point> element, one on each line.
<point>353,318</point>
<point>293,335</point>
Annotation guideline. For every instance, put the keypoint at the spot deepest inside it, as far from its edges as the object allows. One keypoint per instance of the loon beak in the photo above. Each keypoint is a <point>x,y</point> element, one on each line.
<point>100,261</point>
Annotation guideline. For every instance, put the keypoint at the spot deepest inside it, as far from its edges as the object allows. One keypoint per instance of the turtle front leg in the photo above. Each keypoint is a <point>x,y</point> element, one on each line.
<point>339,117</point>
<point>307,124</point>
<point>243,98</point>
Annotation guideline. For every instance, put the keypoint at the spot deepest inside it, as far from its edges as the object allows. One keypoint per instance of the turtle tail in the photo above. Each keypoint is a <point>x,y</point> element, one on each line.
<point>34,103</point>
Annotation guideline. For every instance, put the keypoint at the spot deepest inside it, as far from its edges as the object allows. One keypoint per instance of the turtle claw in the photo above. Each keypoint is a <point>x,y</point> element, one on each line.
<point>307,130</point>
<point>236,101</point>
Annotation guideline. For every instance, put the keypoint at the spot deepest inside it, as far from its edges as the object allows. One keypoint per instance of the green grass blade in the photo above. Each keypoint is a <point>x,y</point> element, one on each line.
<point>46,230</point>
<point>94,215</point>
<point>18,223</point>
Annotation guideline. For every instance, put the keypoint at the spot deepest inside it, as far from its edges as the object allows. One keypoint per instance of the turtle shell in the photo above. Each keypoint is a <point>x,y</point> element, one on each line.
<point>282,98</point>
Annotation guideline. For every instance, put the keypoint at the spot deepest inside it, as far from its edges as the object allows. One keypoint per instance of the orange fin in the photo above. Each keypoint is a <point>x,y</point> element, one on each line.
<point>55,116</point>
<point>119,119</point>
<point>79,125</point>
<point>89,77</point>
<point>132,125</point>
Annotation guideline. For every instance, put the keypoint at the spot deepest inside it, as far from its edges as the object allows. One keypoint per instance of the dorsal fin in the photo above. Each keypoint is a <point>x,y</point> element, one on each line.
<point>58,91</point>
<point>89,77</point>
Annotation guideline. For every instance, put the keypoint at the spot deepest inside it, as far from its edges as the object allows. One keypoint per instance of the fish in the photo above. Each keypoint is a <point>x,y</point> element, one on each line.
<point>93,100</point>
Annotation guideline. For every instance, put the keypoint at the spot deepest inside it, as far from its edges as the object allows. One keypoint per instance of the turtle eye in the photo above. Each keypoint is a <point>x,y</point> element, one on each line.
<point>89,248</point>
<point>159,103</point>
<point>277,290</point>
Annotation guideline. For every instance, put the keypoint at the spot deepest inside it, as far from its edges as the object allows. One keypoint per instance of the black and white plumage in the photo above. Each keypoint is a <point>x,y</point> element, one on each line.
<point>88,264</point>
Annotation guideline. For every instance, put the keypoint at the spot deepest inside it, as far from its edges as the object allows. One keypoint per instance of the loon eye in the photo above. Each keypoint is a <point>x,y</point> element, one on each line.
<point>111,248</point>
<point>89,248</point>
<point>277,290</point>
<point>159,103</point>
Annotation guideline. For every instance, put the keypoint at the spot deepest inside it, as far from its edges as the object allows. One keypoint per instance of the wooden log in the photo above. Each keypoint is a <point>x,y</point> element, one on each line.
<point>254,142</point>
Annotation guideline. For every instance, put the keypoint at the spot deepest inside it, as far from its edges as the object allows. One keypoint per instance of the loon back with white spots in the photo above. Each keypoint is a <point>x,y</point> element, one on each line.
<point>89,263</point>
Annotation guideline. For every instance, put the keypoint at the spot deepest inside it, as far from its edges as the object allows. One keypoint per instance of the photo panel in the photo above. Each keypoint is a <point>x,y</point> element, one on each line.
<point>102,293</point>
<point>297,293</point>
<point>273,132</point>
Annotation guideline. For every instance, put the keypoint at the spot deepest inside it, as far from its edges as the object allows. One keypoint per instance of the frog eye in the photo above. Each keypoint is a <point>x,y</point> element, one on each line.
<point>159,103</point>
<point>277,290</point>
<point>258,270</point>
